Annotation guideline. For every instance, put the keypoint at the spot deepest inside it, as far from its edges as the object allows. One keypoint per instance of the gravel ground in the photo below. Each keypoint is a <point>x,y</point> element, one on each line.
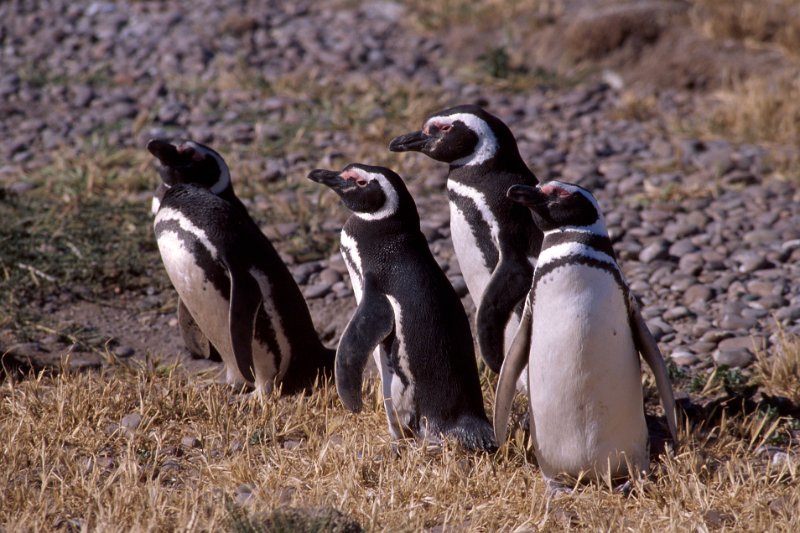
<point>706,236</point>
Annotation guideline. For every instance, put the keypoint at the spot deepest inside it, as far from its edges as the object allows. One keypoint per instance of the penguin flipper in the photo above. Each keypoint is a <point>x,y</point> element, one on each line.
<point>514,363</point>
<point>648,347</point>
<point>193,337</point>
<point>372,322</point>
<point>245,300</point>
<point>508,285</point>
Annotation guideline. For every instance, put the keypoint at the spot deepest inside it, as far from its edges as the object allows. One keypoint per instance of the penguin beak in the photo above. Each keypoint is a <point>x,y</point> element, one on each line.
<point>526,195</point>
<point>410,142</point>
<point>168,154</point>
<point>330,178</point>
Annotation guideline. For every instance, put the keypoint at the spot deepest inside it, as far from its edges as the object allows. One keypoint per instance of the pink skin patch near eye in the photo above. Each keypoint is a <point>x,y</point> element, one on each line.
<point>441,126</point>
<point>197,156</point>
<point>354,175</point>
<point>552,189</point>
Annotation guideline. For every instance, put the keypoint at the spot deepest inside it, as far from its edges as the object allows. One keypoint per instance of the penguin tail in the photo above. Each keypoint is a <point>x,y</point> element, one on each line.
<point>473,432</point>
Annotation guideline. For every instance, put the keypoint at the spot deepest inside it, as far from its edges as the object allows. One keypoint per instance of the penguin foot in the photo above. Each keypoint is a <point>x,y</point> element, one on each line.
<point>473,433</point>
<point>556,488</point>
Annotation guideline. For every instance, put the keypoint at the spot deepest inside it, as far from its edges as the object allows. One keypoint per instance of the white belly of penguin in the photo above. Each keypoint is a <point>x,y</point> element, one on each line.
<point>209,307</point>
<point>470,259</point>
<point>584,377</point>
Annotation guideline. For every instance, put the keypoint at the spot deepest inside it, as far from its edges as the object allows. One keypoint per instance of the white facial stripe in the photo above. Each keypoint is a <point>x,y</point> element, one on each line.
<point>474,195</point>
<point>572,248</point>
<point>487,141</point>
<point>170,214</point>
<point>392,200</point>
<point>224,174</point>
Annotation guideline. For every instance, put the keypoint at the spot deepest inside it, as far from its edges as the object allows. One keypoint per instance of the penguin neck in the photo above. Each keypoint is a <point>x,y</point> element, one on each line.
<point>505,160</point>
<point>385,228</point>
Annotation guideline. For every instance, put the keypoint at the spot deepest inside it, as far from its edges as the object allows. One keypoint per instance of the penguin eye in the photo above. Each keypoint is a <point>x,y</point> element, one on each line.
<point>445,127</point>
<point>361,182</point>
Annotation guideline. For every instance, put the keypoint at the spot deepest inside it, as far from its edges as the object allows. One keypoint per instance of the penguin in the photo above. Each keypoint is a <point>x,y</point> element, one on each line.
<point>494,239</point>
<point>407,315</point>
<point>580,335</point>
<point>231,281</point>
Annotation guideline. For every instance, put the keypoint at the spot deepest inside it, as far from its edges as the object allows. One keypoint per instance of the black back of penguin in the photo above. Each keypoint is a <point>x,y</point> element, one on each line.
<point>205,198</point>
<point>434,329</point>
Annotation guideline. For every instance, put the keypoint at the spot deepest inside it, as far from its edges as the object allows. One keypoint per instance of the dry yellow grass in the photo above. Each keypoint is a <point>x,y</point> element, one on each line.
<point>755,21</point>
<point>67,463</point>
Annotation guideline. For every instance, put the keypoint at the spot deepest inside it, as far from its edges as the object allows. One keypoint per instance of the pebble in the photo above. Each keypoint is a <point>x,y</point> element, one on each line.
<point>318,290</point>
<point>130,422</point>
<point>683,357</point>
<point>734,358</point>
<point>734,322</point>
<point>654,251</point>
<point>243,494</point>
<point>191,442</point>
<point>124,351</point>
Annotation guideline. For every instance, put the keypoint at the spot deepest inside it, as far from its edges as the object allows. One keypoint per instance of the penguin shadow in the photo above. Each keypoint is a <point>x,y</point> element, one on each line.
<point>704,414</point>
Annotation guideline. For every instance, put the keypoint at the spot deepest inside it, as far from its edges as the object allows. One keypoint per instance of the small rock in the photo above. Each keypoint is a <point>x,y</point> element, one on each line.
<point>676,313</point>
<point>697,293</point>
<point>654,251</point>
<point>191,442</point>
<point>330,275</point>
<point>318,290</point>
<point>732,322</point>
<point>243,494</point>
<point>131,421</point>
<point>124,351</point>
<point>734,358</point>
<point>716,519</point>
<point>683,357</point>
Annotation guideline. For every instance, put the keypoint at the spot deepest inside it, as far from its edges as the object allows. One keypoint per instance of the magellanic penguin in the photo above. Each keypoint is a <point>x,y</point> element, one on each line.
<point>229,277</point>
<point>408,316</point>
<point>580,335</point>
<point>494,239</point>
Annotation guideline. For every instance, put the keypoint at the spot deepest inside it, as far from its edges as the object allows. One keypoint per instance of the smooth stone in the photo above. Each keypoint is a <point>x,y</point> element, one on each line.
<point>691,263</point>
<point>191,442</point>
<point>676,313</point>
<point>731,322</point>
<point>330,275</point>
<point>654,251</point>
<point>697,293</point>
<point>683,357</point>
<point>124,351</point>
<point>703,348</point>
<point>735,358</point>
<point>131,421</point>
<point>681,248</point>
<point>735,343</point>
<point>318,290</point>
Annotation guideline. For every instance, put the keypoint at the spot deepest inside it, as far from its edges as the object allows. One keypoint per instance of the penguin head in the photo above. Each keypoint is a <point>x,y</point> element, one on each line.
<point>372,193</point>
<point>465,135</point>
<point>557,205</point>
<point>190,162</point>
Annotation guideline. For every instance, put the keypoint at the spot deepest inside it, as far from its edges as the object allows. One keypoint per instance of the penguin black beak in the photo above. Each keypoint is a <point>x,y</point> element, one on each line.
<point>167,153</point>
<point>331,178</point>
<point>526,195</point>
<point>410,142</point>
